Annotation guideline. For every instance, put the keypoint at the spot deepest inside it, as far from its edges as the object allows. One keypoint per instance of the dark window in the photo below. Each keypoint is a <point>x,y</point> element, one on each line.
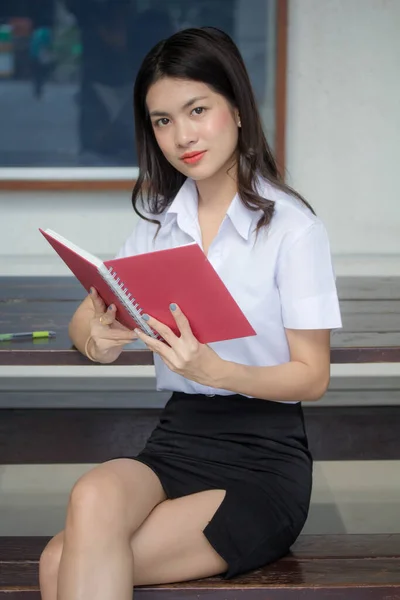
<point>67,69</point>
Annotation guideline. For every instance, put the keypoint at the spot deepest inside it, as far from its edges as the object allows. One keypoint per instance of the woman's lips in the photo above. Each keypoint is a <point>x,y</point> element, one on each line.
<point>194,158</point>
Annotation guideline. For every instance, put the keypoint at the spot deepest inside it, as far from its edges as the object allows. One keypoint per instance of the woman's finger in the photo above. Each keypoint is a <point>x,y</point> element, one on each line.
<point>107,318</point>
<point>98,304</point>
<point>163,330</point>
<point>165,351</point>
<point>181,321</point>
<point>116,335</point>
<point>104,344</point>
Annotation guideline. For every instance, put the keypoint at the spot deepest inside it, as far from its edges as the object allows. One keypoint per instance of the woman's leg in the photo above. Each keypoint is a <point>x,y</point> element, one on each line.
<point>49,565</point>
<point>106,506</point>
<point>168,547</point>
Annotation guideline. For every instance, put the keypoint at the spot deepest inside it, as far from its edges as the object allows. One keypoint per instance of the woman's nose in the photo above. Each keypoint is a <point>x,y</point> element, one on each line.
<point>185,134</point>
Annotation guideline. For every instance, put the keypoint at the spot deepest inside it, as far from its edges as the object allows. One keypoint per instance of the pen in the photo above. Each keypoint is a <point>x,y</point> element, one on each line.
<point>5,337</point>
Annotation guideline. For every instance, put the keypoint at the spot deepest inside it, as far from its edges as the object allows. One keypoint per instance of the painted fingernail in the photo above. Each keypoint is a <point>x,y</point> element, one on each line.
<point>146,317</point>
<point>173,306</point>
<point>91,291</point>
<point>110,307</point>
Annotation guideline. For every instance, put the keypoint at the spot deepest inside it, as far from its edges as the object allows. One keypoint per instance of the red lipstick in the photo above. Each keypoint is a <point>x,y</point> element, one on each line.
<point>191,158</point>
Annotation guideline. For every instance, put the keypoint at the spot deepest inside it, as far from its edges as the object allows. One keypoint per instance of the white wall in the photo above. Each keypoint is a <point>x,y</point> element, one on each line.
<point>98,222</point>
<point>343,120</point>
<point>343,126</point>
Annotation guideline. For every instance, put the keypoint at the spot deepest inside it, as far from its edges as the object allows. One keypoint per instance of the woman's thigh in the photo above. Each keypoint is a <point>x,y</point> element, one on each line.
<point>170,545</point>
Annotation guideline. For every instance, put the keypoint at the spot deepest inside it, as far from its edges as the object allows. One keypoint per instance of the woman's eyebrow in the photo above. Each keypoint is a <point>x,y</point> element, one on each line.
<point>160,113</point>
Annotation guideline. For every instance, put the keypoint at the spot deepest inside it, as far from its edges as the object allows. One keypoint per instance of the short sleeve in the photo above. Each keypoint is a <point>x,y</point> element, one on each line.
<point>306,281</point>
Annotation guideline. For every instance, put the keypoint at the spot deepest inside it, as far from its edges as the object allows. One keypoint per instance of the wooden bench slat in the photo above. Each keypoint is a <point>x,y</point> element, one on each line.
<point>364,339</point>
<point>368,288</point>
<point>307,546</point>
<point>41,288</point>
<point>377,545</point>
<point>321,574</point>
<point>387,354</point>
<point>21,548</point>
<point>45,353</point>
<point>48,287</point>
<point>357,316</point>
<point>20,593</point>
<point>59,311</point>
<point>336,593</point>
<point>354,567</point>
<point>365,322</point>
<point>340,339</point>
<point>332,572</point>
<point>370,308</point>
<point>16,310</point>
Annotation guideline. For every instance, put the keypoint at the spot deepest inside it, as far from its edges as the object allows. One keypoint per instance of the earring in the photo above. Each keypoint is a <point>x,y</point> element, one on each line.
<point>239,123</point>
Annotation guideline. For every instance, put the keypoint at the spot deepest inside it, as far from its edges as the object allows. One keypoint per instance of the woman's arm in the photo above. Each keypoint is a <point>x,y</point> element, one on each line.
<point>304,378</point>
<point>79,326</point>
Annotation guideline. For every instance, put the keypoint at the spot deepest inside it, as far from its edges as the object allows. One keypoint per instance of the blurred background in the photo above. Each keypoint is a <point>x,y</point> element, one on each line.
<point>67,69</point>
<point>67,162</point>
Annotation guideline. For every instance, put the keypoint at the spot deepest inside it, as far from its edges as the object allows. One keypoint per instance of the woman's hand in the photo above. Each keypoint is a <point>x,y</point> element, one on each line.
<point>107,337</point>
<point>184,355</point>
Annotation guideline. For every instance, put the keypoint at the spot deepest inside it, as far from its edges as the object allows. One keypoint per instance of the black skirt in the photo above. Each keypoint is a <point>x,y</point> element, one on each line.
<point>254,449</point>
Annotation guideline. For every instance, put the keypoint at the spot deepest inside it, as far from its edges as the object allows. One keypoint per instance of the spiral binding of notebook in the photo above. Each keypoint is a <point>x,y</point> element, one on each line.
<point>122,292</point>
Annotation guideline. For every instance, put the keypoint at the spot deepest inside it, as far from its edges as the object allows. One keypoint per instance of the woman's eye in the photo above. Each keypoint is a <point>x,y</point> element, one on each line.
<point>162,122</point>
<point>199,110</point>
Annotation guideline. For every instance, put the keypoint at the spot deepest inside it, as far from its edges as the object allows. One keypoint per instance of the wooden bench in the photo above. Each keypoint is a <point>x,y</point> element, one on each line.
<point>327,566</point>
<point>371,316</point>
<point>336,567</point>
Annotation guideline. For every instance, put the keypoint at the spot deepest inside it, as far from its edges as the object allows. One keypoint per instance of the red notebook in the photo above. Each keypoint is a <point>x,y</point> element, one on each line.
<point>149,283</point>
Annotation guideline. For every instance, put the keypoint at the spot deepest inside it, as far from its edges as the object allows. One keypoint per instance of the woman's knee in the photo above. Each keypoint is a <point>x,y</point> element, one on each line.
<point>50,558</point>
<point>97,496</point>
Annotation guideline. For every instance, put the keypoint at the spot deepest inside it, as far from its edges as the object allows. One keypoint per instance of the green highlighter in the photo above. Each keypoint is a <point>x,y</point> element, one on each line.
<point>34,335</point>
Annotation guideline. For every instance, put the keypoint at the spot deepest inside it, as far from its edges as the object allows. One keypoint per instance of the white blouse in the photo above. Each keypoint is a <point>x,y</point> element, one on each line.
<point>284,279</point>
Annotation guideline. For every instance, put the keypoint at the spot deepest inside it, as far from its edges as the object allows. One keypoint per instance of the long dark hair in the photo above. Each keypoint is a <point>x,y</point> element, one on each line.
<point>208,55</point>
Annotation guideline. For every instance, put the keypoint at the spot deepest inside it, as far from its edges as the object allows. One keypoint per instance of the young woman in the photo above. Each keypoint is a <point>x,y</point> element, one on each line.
<point>223,485</point>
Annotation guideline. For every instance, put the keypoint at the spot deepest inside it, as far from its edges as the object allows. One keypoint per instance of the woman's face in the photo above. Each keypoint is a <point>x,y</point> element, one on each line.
<point>196,128</point>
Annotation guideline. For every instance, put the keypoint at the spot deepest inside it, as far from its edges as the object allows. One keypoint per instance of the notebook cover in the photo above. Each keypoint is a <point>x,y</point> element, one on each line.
<point>156,279</point>
<point>185,276</point>
<point>89,276</point>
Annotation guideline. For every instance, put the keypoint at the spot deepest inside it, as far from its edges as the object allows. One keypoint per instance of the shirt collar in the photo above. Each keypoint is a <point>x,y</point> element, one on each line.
<point>241,217</point>
<point>185,202</point>
<point>185,205</point>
